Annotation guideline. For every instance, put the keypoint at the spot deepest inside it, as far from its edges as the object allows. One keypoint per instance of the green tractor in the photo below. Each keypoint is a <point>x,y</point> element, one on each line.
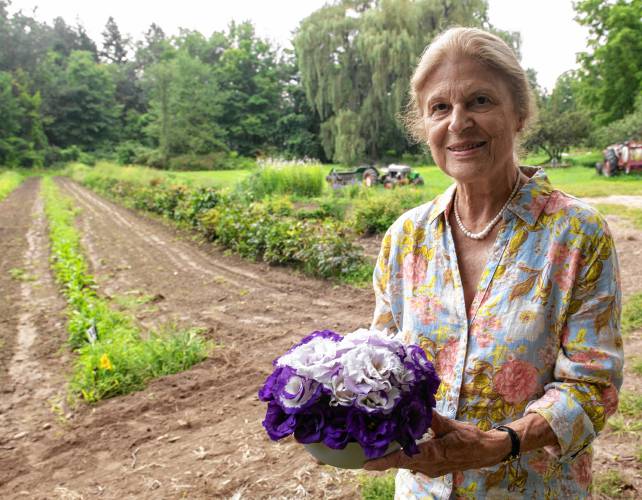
<point>369,175</point>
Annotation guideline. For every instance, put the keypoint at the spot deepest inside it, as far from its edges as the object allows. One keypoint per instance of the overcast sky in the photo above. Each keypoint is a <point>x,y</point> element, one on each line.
<point>550,36</point>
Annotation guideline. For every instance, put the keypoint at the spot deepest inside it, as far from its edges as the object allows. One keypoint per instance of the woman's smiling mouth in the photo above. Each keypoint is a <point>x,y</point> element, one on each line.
<point>468,146</point>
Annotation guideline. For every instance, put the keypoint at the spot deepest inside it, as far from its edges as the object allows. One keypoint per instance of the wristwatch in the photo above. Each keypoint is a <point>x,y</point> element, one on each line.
<point>514,440</point>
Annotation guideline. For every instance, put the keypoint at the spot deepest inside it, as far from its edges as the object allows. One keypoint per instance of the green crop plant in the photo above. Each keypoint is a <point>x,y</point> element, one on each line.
<point>9,181</point>
<point>301,180</point>
<point>114,359</point>
<point>377,487</point>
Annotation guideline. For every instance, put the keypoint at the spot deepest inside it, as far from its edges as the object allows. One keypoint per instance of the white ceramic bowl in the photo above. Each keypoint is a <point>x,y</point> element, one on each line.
<point>351,457</point>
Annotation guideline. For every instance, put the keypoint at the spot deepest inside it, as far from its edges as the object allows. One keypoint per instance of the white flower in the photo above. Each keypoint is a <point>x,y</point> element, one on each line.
<point>315,360</point>
<point>379,400</point>
<point>368,368</point>
<point>297,392</point>
<point>341,395</point>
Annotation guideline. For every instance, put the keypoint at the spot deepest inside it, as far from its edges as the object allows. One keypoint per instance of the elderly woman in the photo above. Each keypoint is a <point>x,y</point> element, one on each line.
<point>509,285</point>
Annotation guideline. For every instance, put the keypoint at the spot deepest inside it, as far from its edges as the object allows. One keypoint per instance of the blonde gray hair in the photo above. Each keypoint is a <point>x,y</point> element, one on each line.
<point>481,46</point>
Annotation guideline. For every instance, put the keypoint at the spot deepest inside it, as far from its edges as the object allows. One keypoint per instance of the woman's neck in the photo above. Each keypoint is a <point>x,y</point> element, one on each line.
<point>479,202</point>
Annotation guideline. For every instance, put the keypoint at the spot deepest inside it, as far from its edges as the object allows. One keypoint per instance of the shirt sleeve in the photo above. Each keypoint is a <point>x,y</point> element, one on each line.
<point>383,318</point>
<point>588,369</point>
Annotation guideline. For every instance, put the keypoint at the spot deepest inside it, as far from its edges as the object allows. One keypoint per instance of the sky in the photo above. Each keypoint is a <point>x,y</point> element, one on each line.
<point>550,36</point>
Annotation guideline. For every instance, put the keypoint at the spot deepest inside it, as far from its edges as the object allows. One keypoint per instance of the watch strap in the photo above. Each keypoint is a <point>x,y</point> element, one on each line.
<point>515,442</point>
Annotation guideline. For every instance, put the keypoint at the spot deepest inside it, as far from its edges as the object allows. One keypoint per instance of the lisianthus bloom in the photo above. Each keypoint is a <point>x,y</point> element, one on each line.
<point>365,387</point>
<point>277,423</point>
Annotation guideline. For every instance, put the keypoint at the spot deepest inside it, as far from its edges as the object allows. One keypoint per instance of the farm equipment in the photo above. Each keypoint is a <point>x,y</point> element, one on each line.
<point>618,158</point>
<point>369,175</point>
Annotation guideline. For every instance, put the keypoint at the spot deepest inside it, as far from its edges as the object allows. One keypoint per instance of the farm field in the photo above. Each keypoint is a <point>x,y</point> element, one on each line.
<point>195,434</point>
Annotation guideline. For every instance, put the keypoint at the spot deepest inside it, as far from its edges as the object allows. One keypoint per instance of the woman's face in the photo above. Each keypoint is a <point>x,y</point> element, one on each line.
<point>470,120</point>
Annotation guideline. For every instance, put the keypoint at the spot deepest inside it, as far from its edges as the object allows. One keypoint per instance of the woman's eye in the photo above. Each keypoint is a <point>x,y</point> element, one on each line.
<point>481,100</point>
<point>440,107</point>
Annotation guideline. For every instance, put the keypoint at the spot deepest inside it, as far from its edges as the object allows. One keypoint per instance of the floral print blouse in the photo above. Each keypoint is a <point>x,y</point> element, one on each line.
<point>543,335</point>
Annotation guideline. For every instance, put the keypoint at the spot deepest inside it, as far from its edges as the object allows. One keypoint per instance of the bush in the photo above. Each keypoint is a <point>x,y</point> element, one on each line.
<point>375,214</point>
<point>212,161</point>
<point>258,231</point>
<point>301,180</point>
<point>126,152</point>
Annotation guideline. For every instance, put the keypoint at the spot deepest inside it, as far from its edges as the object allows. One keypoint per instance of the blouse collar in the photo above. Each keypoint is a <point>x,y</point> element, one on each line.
<point>528,203</point>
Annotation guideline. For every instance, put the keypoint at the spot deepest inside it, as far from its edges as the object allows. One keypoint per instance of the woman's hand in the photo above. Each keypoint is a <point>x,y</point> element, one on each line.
<point>457,446</point>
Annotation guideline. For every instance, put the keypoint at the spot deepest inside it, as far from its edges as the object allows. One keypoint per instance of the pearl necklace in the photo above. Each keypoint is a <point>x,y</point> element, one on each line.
<point>486,231</point>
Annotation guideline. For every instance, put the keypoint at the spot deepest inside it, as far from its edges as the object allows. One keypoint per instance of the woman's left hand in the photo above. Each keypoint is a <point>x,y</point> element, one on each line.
<point>457,446</point>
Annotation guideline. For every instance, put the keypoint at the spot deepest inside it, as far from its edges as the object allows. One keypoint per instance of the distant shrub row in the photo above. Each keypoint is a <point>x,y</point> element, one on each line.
<point>128,153</point>
<point>267,230</point>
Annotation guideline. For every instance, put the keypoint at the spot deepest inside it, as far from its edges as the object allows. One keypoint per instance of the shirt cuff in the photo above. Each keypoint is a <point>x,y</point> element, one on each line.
<point>568,420</point>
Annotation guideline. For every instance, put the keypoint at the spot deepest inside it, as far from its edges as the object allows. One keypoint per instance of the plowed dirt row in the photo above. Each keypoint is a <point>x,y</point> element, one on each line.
<point>196,434</point>
<point>191,435</point>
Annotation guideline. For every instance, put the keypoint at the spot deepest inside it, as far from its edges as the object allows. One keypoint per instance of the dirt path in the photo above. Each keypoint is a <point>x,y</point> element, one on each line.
<point>32,377</point>
<point>630,201</point>
<point>193,435</point>
<point>197,434</point>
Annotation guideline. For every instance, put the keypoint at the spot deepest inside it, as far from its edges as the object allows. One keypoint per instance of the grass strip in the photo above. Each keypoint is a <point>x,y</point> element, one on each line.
<point>632,314</point>
<point>119,360</point>
<point>632,214</point>
<point>9,181</point>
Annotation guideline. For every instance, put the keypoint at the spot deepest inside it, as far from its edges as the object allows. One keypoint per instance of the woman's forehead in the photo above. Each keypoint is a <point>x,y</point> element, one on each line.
<point>462,77</point>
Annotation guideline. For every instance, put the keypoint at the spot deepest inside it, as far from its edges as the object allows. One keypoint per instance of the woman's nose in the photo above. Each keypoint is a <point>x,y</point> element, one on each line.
<point>460,119</point>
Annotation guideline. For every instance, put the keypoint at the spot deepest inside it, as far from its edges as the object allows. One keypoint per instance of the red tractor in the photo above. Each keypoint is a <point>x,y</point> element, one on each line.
<point>618,158</point>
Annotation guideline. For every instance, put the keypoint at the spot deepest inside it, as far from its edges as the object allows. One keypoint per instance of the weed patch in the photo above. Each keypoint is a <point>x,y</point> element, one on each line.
<point>630,405</point>
<point>112,357</point>
<point>377,487</point>
<point>632,214</point>
<point>610,484</point>
<point>19,274</point>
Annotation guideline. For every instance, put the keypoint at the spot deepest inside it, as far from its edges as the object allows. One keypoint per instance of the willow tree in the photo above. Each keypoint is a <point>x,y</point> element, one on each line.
<point>356,58</point>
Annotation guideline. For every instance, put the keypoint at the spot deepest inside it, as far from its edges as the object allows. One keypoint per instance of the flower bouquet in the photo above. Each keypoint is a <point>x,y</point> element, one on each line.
<point>350,398</point>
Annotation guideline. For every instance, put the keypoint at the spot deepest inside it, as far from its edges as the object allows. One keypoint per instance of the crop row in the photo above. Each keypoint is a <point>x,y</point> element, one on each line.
<point>268,229</point>
<point>9,180</point>
<point>112,357</point>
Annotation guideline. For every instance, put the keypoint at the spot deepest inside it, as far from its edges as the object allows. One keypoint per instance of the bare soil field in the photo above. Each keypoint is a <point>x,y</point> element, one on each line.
<point>197,434</point>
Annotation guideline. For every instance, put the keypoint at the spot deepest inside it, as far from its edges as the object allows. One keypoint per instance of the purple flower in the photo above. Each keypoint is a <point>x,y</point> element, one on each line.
<point>335,431</point>
<point>266,393</point>
<point>277,423</point>
<point>309,426</point>
<point>364,387</point>
<point>293,392</point>
<point>373,432</point>
<point>415,418</point>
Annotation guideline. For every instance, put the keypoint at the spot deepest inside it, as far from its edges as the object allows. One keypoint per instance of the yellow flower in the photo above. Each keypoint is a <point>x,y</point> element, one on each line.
<point>105,364</point>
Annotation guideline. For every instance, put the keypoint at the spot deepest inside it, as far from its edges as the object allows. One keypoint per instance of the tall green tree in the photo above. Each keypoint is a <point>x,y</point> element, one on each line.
<point>186,107</point>
<point>611,71</point>
<point>82,108</point>
<point>251,80</point>
<point>562,121</point>
<point>356,58</point>
<point>22,139</point>
<point>115,45</point>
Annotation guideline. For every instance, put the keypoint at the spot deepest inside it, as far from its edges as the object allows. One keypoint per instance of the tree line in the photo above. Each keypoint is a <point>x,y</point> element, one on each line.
<point>197,101</point>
